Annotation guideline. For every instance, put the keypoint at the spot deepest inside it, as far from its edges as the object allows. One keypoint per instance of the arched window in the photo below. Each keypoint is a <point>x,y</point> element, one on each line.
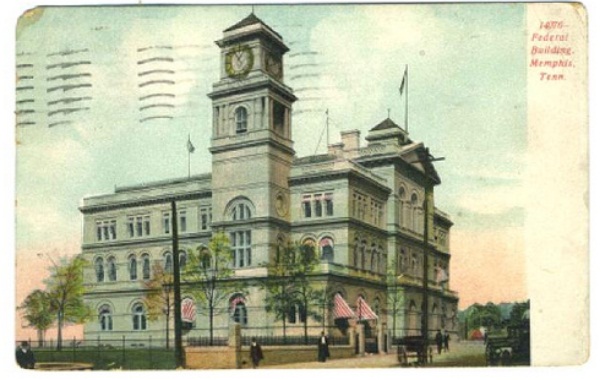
<point>112,269</point>
<point>105,317</point>
<point>363,253</point>
<point>356,252</point>
<point>238,310</point>
<point>145,266</point>
<point>373,265</point>
<point>402,261</point>
<point>168,262</point>
<point>402,206</point>
<point>139,317</point>
<point>133,268</point>
<point>241,117</point>
<point>414,270</point>
<point>327,249</point>
<point>183,257</point>
<point>413,319</point>
<point>241,212</point>
<point>99,268</point>
<point>381,262</point>
<point>414,212</point>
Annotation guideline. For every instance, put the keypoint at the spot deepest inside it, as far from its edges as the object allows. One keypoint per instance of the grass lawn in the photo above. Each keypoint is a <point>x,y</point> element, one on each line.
<point>112,359</point>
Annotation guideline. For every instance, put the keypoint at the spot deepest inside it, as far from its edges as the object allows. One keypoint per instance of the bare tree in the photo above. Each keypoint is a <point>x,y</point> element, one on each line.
<point>159,296</point>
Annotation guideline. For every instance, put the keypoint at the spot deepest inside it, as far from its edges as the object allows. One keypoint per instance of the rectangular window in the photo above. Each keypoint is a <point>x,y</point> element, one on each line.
<point>203,222</point>
<point>182,221</point>
<point>113,229</point>
<point>139,226</point>
<point>317,202</point>
<point>166,222</point>
<point>130,227</point>
<point>328,197</point>
<point>99,231</point>
<point>147,225</point>
<point>307,205</point>
<point>105,228</point>
<point>241,248</point>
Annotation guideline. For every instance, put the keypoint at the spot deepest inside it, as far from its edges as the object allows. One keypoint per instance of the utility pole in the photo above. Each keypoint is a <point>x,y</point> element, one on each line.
<point>177,302</point>
<point>428,191</point>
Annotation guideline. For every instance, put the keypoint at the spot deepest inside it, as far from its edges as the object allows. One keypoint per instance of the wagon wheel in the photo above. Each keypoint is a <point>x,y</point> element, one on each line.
<point>505,358</point>
<point>490,355</point>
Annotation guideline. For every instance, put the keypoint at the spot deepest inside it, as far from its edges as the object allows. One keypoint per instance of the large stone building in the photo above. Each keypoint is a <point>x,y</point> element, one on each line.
<point>361,206</point>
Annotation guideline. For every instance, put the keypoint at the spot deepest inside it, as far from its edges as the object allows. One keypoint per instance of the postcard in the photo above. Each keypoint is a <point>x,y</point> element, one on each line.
<point>301,186</point>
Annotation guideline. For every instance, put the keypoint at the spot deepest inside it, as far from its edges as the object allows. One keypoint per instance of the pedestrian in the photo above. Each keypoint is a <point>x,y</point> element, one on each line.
<point>438,339</point>
<point>256,354</point>
<point>446,341</point>
<point>323,351</point>
<point>25,357</point>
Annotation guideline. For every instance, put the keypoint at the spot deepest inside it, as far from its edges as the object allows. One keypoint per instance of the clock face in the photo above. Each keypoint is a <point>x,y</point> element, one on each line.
<point>239,61</point>
<point>273,65</point>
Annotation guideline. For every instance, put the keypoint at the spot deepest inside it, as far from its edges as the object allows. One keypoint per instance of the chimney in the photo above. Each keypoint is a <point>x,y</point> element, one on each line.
<point>350,139</point>
<point>335,149</point>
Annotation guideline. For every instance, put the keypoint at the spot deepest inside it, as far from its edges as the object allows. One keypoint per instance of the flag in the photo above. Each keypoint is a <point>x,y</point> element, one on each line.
<point>190,146</point>
<point>402,87</point>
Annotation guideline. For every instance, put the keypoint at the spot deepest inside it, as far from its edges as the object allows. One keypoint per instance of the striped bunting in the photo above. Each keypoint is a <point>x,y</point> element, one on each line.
<point>364,312</point>
<point>188,310</point>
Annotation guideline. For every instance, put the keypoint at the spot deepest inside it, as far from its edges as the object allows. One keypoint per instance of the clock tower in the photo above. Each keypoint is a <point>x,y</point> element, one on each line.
<point>251,144</point>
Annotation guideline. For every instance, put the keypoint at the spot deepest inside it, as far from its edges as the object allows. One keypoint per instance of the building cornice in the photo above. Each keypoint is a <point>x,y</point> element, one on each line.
<point>161,199</point>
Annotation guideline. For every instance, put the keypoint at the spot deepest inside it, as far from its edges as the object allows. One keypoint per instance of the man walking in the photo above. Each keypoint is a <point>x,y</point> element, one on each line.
<point>323,351</point>
<point>256,354</point>
<point>438,339</point>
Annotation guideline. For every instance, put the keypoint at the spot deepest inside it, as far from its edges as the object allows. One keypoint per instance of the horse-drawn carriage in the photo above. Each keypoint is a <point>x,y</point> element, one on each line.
<point>413,347</point>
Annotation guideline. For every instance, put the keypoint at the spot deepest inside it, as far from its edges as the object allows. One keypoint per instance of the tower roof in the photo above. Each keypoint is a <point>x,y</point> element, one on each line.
<point>251,19</point>
<point>386,124</point>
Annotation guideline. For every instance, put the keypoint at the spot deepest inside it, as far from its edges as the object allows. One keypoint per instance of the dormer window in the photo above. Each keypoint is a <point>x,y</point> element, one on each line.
<point>241,117</point>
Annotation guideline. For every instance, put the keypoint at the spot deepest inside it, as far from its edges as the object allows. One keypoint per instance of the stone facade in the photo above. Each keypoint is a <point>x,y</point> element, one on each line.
<point>361,206</point>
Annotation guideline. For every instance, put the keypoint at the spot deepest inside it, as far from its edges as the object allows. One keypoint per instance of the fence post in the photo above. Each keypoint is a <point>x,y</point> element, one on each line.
<point>235,342</point>
<point>150,351</point>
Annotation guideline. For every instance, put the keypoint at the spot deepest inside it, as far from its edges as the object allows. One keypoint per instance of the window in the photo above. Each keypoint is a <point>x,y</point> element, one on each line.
<point>238,310</point>
<point>318,205</point>
<point>112,269</point>
<point>297,313</point>
<point>133,268</point>
<point>99,268</point>
<point>307,205</point>
<point>241,119</point>
<point>145,267</point>
<point>241,241</point>
<point>363,253</point>
<point>359,205</point>
<point>105,317</point>
<point>205,218</point>
<point>414,270</point>
<point>402,206</point>
<point>374,258</point>
<point>327,249</point>
<point>329,204</point>
<point>241,248</point>
<point>168,262</point>
<point>241,212</point>
<point>138,226</point>
<point>106,230</point>
<point>182,259</point>
<point>317,201</point>
<point>139,317</point>
<point>402,261</point>
<point>166,222</point>
<point>182,221</point>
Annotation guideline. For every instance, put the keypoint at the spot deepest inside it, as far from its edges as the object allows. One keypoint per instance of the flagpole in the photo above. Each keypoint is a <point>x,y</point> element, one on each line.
<point>407,99</point>
<point>189,153</point>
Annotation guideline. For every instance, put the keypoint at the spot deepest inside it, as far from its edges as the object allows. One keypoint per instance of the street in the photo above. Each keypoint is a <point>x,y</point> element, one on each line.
<point>461,354</point>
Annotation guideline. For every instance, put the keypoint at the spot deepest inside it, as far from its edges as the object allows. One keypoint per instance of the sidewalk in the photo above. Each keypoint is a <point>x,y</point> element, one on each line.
<point>462,354</point>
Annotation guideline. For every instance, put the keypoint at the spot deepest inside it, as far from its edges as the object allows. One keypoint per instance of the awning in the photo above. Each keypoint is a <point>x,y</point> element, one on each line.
<point>341,309</point>
<point>235,301</point>
<point>364,312</point>
<point>188,310</point>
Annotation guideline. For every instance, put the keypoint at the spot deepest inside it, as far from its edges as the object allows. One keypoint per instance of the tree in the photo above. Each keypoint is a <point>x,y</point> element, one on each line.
<point>159,296</point>
<point>65,289</point>
<point>395,295</point>
<point>38,312</point>
<point>289,285</point>
<point>478,315</point>
<point>516,317</point>
<point>207,273</point>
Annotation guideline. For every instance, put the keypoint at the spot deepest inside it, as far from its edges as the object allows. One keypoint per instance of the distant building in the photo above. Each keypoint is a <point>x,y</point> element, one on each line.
<point>361,206</point>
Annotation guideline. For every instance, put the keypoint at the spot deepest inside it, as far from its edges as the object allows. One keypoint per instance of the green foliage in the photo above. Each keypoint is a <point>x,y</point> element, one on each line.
<point>159,292</point>
<point>65,289</point>
<point>289,283</point>
<point>38,311</point>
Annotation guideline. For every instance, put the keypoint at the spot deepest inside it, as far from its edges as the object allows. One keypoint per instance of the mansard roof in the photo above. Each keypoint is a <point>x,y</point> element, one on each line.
<point>386,124</point>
